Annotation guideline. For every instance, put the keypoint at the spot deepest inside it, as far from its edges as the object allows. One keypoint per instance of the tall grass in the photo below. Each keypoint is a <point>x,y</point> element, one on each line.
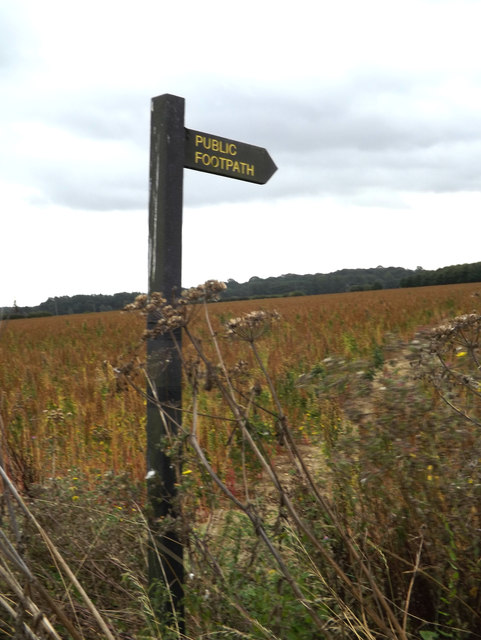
<point>371,543</point>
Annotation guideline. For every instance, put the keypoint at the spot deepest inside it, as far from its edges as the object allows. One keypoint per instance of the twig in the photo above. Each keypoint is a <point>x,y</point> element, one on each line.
<point>411,582</point>
<point>58,557</point>
<point>28,603</point>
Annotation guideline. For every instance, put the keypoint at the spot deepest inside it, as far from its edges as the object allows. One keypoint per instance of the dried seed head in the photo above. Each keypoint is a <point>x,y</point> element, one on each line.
<point>207,292</point>
<point>171,316</point>
<point>138,304</point>
<point>468,320</point>
<point>463,329</point>
<point>251,326</point>
<point>240,369</point>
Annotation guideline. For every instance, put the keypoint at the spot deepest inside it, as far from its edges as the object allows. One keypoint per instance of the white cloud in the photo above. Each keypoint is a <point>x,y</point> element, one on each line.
<point>370,110</point>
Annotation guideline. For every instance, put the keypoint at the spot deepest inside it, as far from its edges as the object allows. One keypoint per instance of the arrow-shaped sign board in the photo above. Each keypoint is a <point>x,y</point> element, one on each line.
<point>213,154</point>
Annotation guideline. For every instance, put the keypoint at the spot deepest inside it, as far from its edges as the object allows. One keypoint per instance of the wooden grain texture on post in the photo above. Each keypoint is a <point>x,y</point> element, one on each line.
<point>163,364</point>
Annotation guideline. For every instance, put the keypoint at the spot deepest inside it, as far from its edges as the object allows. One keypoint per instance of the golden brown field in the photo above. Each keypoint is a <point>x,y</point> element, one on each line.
<point>63,406</point>
<point>340,501</point>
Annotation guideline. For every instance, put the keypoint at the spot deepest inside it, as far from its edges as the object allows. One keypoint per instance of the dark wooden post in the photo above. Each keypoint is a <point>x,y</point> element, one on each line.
<point>173,147</point>
<point>163,364</point>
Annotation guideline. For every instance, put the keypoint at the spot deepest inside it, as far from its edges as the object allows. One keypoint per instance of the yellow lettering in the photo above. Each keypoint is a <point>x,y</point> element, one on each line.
<point>218,146</point>
<point>203,158</point>
<point>220,161</point>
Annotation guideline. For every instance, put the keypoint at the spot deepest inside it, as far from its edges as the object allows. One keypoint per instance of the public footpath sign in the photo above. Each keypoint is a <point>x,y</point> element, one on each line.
<point>173,148</point>
<point>229,158</point>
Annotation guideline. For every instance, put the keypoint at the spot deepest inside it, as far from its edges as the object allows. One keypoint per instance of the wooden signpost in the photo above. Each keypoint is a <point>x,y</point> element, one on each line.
<point>173,147</point>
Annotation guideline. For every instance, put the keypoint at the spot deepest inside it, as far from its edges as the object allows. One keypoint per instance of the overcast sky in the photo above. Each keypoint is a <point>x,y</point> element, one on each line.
<point>371,111</point>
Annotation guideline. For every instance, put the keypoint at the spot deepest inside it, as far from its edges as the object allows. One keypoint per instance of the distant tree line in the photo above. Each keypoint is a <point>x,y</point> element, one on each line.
<point>64,305</point>
<point>314,284</point>
<point>446,275</point>
<point>282,286</point>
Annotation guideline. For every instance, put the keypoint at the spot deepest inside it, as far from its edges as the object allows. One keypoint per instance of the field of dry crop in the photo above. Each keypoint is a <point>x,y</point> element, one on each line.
<point>336,431</point>
<point>65,410</point>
